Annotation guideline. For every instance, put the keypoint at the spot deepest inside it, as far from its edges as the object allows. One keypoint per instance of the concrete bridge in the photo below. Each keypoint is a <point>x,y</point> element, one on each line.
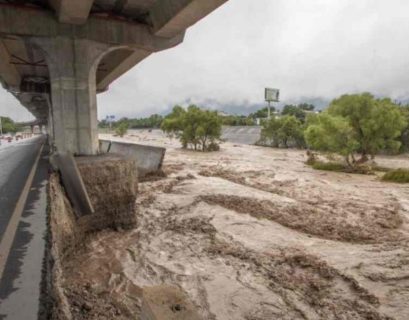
<point>56,55</point>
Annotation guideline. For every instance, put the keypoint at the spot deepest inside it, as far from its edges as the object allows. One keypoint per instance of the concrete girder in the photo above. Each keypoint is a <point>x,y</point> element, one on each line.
<point>121,65</point>
<point>37,104</point>
<point>39,23</point>
<point>8,72</point>
<point>170,17</point>
<point>72,11</point>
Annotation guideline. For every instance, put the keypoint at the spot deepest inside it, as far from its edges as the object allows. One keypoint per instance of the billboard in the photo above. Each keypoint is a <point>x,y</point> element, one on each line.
<point>272,95</point>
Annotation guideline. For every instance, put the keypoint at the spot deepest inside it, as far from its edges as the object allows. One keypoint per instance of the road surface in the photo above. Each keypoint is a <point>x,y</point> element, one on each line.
<point>23,203</point>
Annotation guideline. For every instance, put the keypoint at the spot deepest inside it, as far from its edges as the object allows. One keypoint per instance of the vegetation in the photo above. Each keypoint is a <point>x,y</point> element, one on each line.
<point>154,121</point>
<point>262,113</point>
<point>377,123</point>
<point>356,124</point>
<point>8,125</point>
<point>122,129</point>
<point>398,175</point>
<point>196,128</point>
<point>238,121</point>
<point>404,138</point>
<point>299,111</point>
<point>283,131</point>
<point>329,166</point>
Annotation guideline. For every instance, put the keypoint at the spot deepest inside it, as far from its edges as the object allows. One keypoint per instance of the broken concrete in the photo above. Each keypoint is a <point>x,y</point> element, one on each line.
<point>73,183</point>
<point>149,159</point>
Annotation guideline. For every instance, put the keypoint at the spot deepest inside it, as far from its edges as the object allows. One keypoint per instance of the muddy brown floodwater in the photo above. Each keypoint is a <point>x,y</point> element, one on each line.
<point>253,233</point>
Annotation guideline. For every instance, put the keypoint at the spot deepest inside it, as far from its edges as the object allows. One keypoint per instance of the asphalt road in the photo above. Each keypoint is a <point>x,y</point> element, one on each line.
<point>16,161</point>
<point>23,204</point>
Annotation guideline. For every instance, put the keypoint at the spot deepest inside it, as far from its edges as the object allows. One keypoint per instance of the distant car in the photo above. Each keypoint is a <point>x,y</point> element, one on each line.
<point>9,139</point>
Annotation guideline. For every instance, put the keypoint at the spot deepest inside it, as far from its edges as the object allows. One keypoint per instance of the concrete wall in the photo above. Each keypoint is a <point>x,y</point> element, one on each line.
<point>242,134</point>
<point>149,159</point>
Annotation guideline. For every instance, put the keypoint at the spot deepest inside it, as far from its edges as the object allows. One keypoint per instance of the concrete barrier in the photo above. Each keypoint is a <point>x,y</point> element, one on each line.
<point>149,159</point>
<point>241,134</point>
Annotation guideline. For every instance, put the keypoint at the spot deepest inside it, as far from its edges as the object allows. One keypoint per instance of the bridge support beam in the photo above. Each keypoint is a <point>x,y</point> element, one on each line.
<point>72,65</point>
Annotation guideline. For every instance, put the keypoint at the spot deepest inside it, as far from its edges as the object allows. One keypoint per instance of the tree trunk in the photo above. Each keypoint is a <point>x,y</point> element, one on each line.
<point>347,161</point>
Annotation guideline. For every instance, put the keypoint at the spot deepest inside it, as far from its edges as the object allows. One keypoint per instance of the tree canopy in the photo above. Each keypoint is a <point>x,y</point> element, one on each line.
<point>356,123</point>
<point>283,131</point>
<point>376,123</point>
<point>8,125</point>
<point>262,113</point>
<point>299,111</point>
<point>194,127</point>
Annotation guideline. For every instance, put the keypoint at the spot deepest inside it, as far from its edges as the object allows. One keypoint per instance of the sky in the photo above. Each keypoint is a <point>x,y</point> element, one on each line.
<point>311,50</point>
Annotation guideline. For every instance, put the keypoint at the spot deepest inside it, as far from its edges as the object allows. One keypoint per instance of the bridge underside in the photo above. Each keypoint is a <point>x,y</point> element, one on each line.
<point>56,55</point>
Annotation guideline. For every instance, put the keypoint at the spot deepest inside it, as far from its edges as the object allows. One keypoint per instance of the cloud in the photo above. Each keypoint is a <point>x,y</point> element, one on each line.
<point>316,49</point>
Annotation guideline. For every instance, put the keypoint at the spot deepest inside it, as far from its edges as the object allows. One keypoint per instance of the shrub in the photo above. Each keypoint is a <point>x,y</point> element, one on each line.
<point>398,175</point>
<point>122,129</point>
<point>329,166</point>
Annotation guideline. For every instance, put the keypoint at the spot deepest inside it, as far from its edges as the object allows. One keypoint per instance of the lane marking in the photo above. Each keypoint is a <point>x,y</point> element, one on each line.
<point>8,238</point>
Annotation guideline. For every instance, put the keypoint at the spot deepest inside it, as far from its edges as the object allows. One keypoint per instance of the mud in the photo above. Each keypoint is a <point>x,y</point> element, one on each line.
<point>251,233</point>
<point>381,225</point>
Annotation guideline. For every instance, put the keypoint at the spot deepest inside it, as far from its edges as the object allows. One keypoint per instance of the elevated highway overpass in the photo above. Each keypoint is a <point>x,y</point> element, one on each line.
<point>56,55</point>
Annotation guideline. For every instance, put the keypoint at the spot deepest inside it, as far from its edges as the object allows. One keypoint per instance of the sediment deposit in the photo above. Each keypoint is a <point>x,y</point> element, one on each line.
<point>252,233</point>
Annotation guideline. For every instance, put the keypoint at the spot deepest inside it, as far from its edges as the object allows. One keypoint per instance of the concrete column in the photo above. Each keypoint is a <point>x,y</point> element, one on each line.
<point>72,64</point>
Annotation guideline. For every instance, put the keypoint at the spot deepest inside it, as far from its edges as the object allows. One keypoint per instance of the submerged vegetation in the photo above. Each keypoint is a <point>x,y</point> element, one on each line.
<point>398,175</point>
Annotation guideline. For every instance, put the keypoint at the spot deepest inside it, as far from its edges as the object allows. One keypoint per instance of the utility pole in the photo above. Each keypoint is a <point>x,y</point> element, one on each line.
<point>269,112</point>
<point>1,127</point>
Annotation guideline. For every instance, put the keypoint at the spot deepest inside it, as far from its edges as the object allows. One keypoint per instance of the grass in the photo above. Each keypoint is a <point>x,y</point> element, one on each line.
<point>398,175</point>
<point>328,166</point>
<point>381,169</point>
<point>339,167</point>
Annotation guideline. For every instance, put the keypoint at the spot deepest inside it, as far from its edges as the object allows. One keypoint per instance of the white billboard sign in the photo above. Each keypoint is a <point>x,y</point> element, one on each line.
<point>272,95</point>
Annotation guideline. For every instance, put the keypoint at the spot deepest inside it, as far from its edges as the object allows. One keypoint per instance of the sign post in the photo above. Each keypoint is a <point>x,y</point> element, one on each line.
<point>110,119</point>
<point>271,95</point>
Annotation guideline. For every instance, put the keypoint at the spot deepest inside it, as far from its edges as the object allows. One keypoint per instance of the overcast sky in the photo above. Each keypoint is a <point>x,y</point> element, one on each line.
<point>308,49</point>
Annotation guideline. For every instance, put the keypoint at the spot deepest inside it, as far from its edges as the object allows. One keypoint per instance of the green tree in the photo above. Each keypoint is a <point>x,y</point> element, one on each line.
<point>299,111</point>
<point>194,127</point>
<point>283,131</point>
<point>237,121</point>
<point>262,113</point>
<point>122,129</point>
<point>376,123</point>
<point>331,134</point>
<point>404,138</point>
<point>8,125</point>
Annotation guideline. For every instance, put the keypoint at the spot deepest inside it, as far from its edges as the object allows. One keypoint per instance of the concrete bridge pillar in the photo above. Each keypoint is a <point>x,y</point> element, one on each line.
<point>72,64</point>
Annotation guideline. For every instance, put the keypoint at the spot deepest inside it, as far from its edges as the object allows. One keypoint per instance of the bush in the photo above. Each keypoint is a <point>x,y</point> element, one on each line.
<point>122,129</point>
<point>398,175</point>
<point>329,166</point>
<point>337,166</point>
